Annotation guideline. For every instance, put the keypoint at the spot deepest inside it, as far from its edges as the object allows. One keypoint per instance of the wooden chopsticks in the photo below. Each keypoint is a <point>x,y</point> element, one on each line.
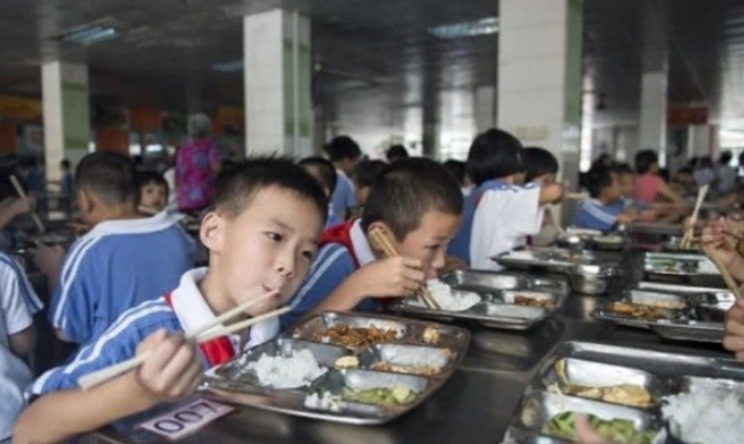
<point>687,238</point>
<point>381,241</point>
<point>22,194</point>
<point>205,333</point>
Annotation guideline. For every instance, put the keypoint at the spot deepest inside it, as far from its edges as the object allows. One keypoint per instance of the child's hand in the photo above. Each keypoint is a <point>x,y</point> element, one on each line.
<point>393,277</point>
<point>17,206</point>
<point>714,242</point>
<point>173,370</point>
<point>733,336</point>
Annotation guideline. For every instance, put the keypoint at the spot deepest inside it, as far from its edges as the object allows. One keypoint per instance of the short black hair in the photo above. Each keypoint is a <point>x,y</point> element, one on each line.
<point>493,155</point>
<point>623,168</point>
<point>725,157</point>
<point>456,169</point>
<point>343,147</point>
<point>65,164</point>
<point>597,179</point>
<point>148,177</point>
<point>406,191</point>
<point>367,172</point>
<point>396,152</point>
<point>644,159</point>
<point>322,170</point>
<point>538,162</point>
<point>236,187</point>
<point>112,177</point>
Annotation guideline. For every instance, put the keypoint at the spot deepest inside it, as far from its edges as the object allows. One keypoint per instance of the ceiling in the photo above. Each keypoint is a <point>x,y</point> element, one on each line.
<point>167,48</point>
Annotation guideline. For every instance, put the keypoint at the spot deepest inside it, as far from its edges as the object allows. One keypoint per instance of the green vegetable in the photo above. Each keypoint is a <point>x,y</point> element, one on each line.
<point>384,396</point>
<point>620,431</point>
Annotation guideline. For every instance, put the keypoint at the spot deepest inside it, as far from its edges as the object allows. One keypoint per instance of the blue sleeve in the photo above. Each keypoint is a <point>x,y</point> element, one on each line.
<point>584,219</point>
<point>350,199</point>
<point>331,266</point>
<point>74,301</point>
<point>117,344</point>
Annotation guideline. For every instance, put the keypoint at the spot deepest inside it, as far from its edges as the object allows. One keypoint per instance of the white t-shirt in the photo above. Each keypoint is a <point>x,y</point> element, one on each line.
<point>18,302</point>
<point>503,218</point>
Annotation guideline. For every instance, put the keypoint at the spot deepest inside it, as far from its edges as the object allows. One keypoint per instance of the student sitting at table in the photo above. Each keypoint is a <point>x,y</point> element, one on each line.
<point>153,192</point>
<point>121,262</point>
<point>418,206</point>
<point>325,173</point>
<point>366,173</point>
<point>18,304</point>
<point>499,214</point>
<point>541,168</point>
<point>604,209</point>
<point>262,235</point>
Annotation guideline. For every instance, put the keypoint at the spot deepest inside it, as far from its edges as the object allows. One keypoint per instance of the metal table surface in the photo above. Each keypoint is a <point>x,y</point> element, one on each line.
<point>475,406</point>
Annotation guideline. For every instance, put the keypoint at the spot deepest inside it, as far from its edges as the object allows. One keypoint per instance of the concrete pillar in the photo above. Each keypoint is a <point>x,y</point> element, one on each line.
<point>485,108</point>
<point>277,78</point>
<point>66,110</point>
<point>539,82</point>
<point>653,113</point>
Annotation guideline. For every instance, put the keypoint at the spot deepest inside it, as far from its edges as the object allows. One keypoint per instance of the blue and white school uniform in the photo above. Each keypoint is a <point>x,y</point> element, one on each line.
<point>18,304</point>
<point>116,266</point>
<point>595,215</point>
<point>343,196</point>
<point>332,265</point>
<point>183,310</point>
<point>504,215</point>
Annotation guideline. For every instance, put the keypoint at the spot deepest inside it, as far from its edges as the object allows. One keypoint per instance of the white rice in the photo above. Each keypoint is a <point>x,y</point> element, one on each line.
<point>451,300</point>
<point>282,372</point>
<point>706,414</point>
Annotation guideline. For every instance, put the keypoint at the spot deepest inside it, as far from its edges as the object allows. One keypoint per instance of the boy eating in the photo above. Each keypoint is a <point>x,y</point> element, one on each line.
<point>418,205</point>
<point>121,262</point>
<point>605,208</point>
<point>261,234</point>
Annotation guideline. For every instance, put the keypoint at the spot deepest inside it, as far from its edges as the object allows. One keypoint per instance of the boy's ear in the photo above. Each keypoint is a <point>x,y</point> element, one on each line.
<point>212,231</point>
<point>85,202</point>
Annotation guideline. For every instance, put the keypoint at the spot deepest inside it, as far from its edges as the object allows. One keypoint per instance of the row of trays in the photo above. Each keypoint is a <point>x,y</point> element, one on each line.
<point>344,367</point>
<point>510,301</point>
<point>625,391</point>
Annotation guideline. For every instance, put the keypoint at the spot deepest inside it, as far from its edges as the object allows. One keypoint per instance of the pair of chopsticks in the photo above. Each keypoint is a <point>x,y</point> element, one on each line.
<point>575,196</point>
<point>381,241</point>
<point>205,333</point>
<point>22,194</point>
<point>687,238</point>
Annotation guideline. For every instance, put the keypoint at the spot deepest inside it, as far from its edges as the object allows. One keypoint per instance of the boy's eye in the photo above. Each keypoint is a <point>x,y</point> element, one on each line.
<point>308,255</point>
<point>276,237</point>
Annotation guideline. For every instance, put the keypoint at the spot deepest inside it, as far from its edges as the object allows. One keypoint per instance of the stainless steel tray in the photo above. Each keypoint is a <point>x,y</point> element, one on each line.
<point>580,373</point>
<point>670,373</point>
<point>694,269</point>
<point>558,260</point>
<point>497,291</point>
<point>700,321</point>
<point>648,299</point>
<point>232,382</point>
<point>537,408</point>
<point>591,241</point>
<point>673,245</point>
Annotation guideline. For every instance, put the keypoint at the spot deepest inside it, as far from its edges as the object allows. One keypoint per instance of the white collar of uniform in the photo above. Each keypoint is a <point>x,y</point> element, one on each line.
<point>157,222</point>
<point>359,242</point>
<point>193,311</point>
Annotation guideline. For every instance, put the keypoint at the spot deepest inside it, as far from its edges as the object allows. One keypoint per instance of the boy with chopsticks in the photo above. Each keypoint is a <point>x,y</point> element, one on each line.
<point>418,206</point>
<point>261,235</point>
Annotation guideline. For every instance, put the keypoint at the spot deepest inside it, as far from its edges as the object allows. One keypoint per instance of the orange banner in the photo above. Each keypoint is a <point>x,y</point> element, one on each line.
<point>145,120</point>
<point>7,138</point>
<point>20,108</point>
<point>111,139</point>
<point>231,116</point>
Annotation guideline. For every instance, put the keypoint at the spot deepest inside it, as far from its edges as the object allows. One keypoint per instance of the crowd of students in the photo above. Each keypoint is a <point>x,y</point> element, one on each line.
<point>299,230</point>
